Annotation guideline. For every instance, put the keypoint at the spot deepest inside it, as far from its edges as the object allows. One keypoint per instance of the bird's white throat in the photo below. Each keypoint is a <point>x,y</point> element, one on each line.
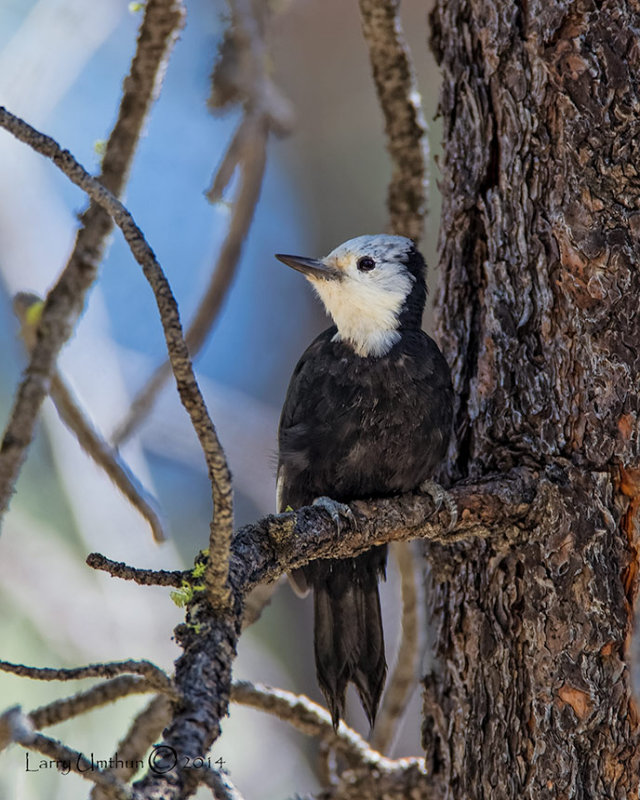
<point>366,308</point>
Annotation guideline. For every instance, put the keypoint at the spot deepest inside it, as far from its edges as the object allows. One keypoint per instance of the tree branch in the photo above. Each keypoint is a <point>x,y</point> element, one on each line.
<point>405,126</point>
<point>280,543</point>
<point>65,300</point>
<point>144,577</point>
<point>220,784</point>
<point>28,308</point>
<point>188,389</point>
<point>154,676</point>
<point>16,727</point>
<point>311,719</point>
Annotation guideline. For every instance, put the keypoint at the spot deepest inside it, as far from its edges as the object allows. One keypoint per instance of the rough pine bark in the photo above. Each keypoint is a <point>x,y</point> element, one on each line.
<point>538,315</point>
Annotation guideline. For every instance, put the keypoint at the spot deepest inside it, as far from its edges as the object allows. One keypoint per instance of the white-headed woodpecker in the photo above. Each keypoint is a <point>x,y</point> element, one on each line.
<point>367,414</point>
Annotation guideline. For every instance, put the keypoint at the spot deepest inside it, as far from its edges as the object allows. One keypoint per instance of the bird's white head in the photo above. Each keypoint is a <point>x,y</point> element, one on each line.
<point>372,286</point>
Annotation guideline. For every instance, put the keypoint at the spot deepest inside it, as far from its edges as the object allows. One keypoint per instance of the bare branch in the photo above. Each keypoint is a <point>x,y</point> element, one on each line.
<point>80,703</point>
<point>405,126</point>
<point>145,729</point>
<point>65,301</point>
<point>220,784</point>
<point>28,308</point>
<point>154,676</point>
<point>404,677</point>
<point>311,719</point>
<point>188,389</point>
<point>145,577</point>
<point>279,543</point>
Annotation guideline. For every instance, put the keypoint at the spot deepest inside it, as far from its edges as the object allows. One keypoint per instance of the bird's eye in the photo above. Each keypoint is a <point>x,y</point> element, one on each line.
<point>366,264</point>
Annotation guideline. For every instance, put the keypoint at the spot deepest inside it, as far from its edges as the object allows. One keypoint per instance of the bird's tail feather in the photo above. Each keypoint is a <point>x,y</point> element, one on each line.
<point>348,635</point>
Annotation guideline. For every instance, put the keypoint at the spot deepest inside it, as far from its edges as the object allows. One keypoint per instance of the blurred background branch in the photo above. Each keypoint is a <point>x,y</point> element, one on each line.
<point>407,196</point>
<point>240,77</point>
<point>405,127</point>
<point>404,677</point>
<point>28,308</point>
<point>100,695</point>
<point>65,300</point>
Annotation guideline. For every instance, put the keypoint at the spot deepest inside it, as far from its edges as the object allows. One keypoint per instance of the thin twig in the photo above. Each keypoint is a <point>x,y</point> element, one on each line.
<point>28,308</point>
<point>404,677</point>
<point>145,729</point>
<point>80,703</point>
<point>144,577</point>
<point>405,126</point>
<point>220,784</point>
<point>17,727</point>
<point>188,389</point>
<point>155,677</point>
<point>66,299</point>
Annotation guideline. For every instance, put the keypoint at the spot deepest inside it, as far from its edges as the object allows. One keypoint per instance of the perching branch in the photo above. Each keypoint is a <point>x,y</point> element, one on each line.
<point>279,543</point>
<point>66,299</point>
<point>405,126</point>
<point>188,389</point>
<point>241,76</point>
<point>28,308</point>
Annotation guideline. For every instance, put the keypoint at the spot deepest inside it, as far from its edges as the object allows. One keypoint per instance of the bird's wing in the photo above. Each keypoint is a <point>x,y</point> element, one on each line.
<point>297,424</point>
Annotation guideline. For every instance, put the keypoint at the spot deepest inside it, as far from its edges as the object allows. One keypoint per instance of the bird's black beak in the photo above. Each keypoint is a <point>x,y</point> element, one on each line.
<point>311,267</point>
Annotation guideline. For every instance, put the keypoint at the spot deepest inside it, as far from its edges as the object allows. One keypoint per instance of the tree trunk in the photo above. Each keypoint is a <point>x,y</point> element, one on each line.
<point>538,316</point>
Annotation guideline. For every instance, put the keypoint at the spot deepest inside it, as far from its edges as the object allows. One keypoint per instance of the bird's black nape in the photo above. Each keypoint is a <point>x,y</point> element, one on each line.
<point>411,314</point>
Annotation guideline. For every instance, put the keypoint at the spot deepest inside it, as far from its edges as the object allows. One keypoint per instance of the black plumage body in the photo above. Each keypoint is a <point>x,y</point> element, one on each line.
<point>355,427</point>
<point>359,426</point>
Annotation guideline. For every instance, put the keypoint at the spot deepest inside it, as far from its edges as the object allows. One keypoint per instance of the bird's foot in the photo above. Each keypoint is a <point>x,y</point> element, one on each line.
<point>337,511</point>
<point>441,497</point>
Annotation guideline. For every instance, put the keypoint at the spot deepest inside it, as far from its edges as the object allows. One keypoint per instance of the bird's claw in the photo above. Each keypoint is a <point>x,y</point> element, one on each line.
<point>337,511</point>
<point>441,497</point>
